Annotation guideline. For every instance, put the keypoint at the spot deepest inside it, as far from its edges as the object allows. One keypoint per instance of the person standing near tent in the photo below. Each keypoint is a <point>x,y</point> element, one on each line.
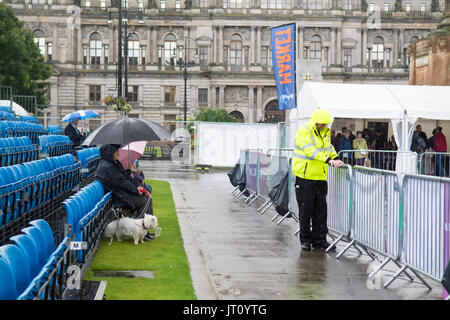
<point>312,154</point>
<point>440,145</point>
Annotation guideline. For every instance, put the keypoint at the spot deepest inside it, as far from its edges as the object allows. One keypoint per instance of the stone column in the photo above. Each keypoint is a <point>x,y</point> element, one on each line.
<point>154,43</point>
<point>79,46</point>
<point>258,45</point>
<point>400,44</point>
<point>300,42</point>
<point>214,45</point>
<point>220,49</point>
<point>55,47</point>
<point>259,111</point>
<point>228,58</point>
<point>370,54</point>
<point>339,47</point>
<point>395,48</point>
<point>358,58</point>
<point>333,46</point>
<point>253,45</point>
<point>212,95</point>
<point>364,48</point>
<point>251,107</point>
<point>222,97</point>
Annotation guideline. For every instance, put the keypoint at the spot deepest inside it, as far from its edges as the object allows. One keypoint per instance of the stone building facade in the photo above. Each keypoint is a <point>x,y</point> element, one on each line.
<point>229,43</point>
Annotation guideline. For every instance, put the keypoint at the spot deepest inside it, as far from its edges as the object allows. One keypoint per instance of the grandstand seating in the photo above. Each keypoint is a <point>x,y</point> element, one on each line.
<point>7,116</point>
<point>17,150</point>
<point>22,128</point>
<point>55,129</point>
<point>6,109</point>
<point>26,186</point>
<point>29,119</point>
<point>55,145</point>
<point>89,158</point>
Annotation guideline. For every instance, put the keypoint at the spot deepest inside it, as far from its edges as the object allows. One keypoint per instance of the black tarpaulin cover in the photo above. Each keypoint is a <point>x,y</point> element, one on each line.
<point>237,177</point>
<point>280,195</point>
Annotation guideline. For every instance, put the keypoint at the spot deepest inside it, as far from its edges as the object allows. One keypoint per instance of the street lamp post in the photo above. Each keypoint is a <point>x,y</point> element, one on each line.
<point>185,73</point>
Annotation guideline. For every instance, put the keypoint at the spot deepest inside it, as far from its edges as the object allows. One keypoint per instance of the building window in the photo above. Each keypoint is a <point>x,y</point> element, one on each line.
<point>106,49</point>
<point>388,58</point>
<point>133,94</point>
<point>202,97</point>
<point>408,7</point>
<point>141,4</point>
<point>237,115</point>
<point>169,95</point>
<point>95,94</point>
<point>39,39</point>
<point>163,4</point>
<point>275,4</point>
<point>347,57</point>
<point>203,55</point>
<point>348,4</point>
<point>236,52</point>
<point>133,49</point>
<point>103,4</point>
<point>95,48</point>
<point>143,54</point>
<point>87,3</point>
<point>170,50</point>
<point>159,55</point>
<point>378,53</point>
<point>49,51</point>
<point>177,4</point>
<point>125,3</point>
<point>386,7</point>
<point>371,7</point>
<point>203,4</point>
<point>85,52</point>
<point>423,7</point>
<point>315,52</point>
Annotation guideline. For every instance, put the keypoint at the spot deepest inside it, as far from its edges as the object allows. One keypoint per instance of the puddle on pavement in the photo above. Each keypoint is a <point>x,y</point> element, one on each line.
<point>124,274</point>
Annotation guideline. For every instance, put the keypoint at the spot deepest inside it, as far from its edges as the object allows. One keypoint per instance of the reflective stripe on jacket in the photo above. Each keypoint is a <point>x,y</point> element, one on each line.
<point>312,149</point>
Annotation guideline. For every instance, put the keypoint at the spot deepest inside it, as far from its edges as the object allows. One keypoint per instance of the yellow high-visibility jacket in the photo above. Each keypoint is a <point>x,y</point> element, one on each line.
<point>312,150</point>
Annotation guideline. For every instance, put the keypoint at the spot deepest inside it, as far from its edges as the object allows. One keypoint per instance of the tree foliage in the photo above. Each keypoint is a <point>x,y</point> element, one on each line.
<point>214,115</point>
<point>21,64</point>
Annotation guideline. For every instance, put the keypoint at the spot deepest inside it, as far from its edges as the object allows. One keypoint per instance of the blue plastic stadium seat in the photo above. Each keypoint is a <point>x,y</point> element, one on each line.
<point>39,242</point>
<point>19,265</point>
<point>45,229</point>
<point>25,243</point>
<point>8,289</point>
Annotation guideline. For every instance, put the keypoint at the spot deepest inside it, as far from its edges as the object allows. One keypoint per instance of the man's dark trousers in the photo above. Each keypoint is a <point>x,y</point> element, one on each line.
<point>312,205</point>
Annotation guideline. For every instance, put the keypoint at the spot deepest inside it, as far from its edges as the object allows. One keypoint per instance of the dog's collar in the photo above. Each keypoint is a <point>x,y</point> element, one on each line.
<point>143,225</point>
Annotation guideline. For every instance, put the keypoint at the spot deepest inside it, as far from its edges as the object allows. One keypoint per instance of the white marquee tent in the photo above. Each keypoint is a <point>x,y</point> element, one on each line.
<point>402,104</point>
<point>18,109</point>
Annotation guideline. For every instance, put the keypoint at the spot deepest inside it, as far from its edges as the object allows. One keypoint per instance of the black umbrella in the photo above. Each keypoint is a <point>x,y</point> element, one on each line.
<point>126,130</point>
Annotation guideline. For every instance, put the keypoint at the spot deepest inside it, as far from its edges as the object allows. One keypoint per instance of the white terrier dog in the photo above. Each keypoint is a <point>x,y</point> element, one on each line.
<point>128,228</point>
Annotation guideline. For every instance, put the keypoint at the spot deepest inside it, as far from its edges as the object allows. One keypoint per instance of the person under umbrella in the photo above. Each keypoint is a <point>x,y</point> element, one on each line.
<point>73,133</point>
<point>125,190</point>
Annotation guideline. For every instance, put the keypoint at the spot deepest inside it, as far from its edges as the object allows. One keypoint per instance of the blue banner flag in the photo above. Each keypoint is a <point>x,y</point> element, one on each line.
<point>283,60</point>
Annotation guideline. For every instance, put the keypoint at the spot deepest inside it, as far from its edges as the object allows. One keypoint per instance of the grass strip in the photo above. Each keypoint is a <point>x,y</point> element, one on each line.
<point>165,256</point>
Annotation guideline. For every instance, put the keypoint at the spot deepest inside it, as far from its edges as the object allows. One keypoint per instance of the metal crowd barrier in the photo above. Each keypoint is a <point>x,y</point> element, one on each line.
<point>403,217</point>
<point>434,163</point>
<point>400,161</point>
<point>339,202</point>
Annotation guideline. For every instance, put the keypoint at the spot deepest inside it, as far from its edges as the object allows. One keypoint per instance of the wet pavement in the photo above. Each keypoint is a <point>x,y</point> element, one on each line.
<point>235,253</point>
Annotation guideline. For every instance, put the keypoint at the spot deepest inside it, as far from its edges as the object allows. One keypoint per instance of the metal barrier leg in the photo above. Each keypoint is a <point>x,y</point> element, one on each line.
<point>232,192</point>
<point>334,243</point>
<point>240,193</point>
<point>264,204</point>
<point>287,215</point>
<point>370,254</point>
<point>249,197</point>
<point>257,196</point>
<point>274,217</point>
<point>385,261</point>
<point>297,232</point>
<point>395,276</point>
<point>352,243</point>
<point>267,208</point>
<point>421,279</point>
<point>406,273</point>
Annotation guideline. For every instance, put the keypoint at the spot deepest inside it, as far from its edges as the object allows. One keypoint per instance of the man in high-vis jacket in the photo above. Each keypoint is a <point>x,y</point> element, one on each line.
<point>312,154</point>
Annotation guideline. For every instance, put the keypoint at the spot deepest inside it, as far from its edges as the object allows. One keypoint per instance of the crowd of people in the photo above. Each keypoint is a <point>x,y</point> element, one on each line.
<point>367,139</point>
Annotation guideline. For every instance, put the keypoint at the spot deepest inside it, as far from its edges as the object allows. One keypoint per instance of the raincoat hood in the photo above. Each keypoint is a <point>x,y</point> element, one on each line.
<point>107,151</point>
<point>320,116</point>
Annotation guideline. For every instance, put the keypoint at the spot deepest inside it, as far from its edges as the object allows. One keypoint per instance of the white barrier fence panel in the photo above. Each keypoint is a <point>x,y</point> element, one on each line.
<point>426,214</point>
<point>219,143</point>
